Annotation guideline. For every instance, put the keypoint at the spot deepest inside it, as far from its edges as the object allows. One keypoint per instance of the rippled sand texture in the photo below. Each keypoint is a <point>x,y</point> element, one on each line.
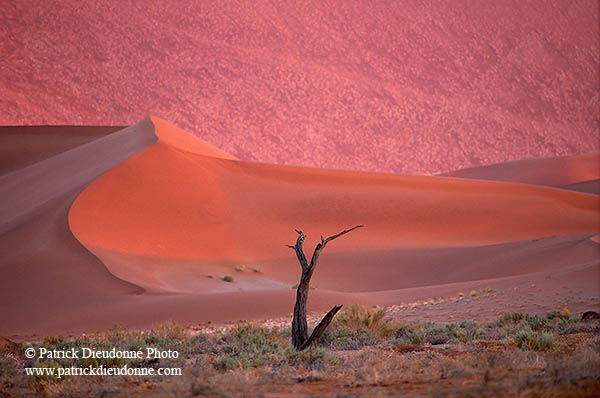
<point>409,87</point>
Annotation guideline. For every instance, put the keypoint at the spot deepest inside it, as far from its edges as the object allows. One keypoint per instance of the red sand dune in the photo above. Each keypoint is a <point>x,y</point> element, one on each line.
<point>162,219</point>
<point>580,173</point>
<point>405,87</point>
<point>172,204</point>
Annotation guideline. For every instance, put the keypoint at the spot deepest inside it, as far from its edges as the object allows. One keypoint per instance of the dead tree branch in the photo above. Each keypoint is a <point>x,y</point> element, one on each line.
<point>300,338</point>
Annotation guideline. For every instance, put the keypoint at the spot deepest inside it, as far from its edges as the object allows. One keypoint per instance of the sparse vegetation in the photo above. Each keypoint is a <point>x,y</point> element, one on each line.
<point>228,278</point>
<point>7,367</point>
<point>518,354</point>
<point>240,268</point>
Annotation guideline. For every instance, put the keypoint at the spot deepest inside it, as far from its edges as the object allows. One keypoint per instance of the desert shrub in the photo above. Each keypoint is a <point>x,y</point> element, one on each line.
<point>357,327</point>
<point>414,336</point>
<point>517,323</point>
<point>53,341</point>
<point>463,332</point>
<point>228,278</point>
<point>286,332</point>
<point>344,338</point>
<point>528,339</point>
<point>372,319</point>
<point>410,333</point>
<point>247,346</point>
<point>558,315</point>
<point>7,367</point>
<point>514,317</point>
<point>437,334</point>
<point>469,334</point>
<point>467,324</point>
<point>310,357</point>
<point>536,322</point>
<point>545,341</point>
<point>226,363</point>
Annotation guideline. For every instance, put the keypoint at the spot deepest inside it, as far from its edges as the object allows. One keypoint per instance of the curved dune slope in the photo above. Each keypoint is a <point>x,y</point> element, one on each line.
<point>578,173</point>
<point>46,276</point>
<point>172,215</point>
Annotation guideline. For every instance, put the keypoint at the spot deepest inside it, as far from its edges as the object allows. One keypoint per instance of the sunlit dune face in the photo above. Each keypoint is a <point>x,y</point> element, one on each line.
<point>170,201</point>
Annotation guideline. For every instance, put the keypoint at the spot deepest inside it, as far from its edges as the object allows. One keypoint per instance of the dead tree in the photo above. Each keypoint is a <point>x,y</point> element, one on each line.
<point>300,338</point>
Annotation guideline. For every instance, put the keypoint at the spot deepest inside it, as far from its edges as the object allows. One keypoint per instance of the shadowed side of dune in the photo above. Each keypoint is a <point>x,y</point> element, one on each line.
<point>47,277</point>
<point>28,190</point>
<point>578,173</point>
<point>22,146</point>
<point>592,186</point>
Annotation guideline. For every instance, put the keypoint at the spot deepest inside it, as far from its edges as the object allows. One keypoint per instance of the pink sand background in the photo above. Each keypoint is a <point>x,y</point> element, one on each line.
<point>406,87</point>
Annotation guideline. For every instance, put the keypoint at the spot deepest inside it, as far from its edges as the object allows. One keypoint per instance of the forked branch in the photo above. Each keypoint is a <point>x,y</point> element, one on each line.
<point>300,337</point>
<point>299,250</point>
<point>320,328</point>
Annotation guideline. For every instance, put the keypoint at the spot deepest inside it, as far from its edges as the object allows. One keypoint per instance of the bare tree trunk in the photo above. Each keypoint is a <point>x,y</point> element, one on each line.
<point>300,338</point>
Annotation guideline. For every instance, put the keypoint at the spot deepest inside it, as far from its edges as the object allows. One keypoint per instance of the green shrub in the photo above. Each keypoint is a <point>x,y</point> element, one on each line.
<point>7,367</point>
<point>536,322</point>
<point>357,317</point>
<point>228,278</point>
<point>356,327</point>
<point>515,317</point>
<point>410,333</point>
<point>528,339</point>
<point>467,324</point>
<point>545,341</point>
<point>247,346</point>
<point>311,356</point>
<point>226,363</point>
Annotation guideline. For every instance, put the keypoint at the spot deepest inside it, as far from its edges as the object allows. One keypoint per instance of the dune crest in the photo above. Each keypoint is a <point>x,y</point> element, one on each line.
<point>184,141</point>
<point>566,172</point>
<point>164,217</point>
